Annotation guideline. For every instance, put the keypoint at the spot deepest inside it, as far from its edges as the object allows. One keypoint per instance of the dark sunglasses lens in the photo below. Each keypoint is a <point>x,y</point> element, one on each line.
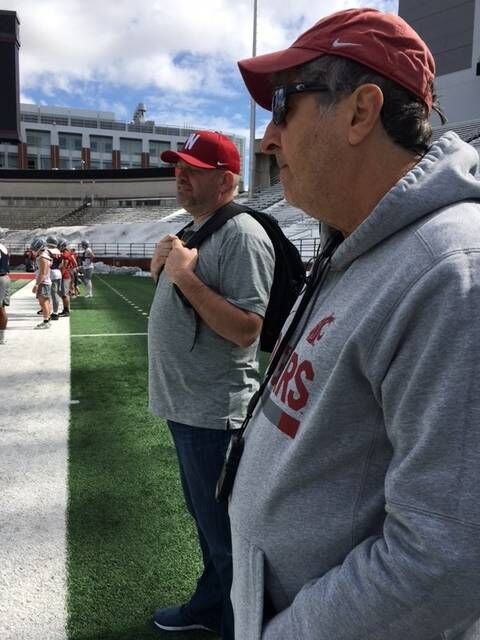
<point>279,105</point>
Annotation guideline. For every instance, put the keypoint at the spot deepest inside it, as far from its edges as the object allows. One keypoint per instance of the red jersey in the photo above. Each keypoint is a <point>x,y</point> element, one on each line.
<point>69,263</point>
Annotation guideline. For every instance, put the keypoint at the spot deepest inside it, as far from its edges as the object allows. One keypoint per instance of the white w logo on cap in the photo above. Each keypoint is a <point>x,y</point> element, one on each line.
<point>192,139</point>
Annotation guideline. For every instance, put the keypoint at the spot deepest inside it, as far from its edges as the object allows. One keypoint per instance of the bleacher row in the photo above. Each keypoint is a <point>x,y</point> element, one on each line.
<point>468,131</point>
<point>262,199</point>
<point>32,217</point>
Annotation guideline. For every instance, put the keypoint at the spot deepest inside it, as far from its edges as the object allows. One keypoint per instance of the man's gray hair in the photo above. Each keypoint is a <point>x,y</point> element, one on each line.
<point>404,116</point>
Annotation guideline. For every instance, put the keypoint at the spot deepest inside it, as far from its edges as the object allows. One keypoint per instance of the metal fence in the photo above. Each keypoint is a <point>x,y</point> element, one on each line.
<point>307,248</point>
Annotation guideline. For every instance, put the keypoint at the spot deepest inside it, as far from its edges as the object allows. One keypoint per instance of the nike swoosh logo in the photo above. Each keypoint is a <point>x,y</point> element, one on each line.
<point>222,164</point>
<point>336,44</point>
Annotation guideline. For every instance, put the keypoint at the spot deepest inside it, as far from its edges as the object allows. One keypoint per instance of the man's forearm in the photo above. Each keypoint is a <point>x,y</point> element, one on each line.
<point>234,324</point>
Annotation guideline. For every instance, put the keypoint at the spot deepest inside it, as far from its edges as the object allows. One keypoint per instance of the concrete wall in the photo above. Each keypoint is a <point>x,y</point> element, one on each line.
<point>447,27</point>
<point>117,189</point>
<point>451,28</point>
<point>459,96</point>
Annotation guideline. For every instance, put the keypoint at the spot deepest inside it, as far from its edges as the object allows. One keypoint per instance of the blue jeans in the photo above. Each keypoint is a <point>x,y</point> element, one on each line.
<point>200,455</point>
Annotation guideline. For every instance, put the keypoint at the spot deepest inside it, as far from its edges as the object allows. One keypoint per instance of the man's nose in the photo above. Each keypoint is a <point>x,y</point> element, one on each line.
<point>271,139</point>
<point>180,173</point>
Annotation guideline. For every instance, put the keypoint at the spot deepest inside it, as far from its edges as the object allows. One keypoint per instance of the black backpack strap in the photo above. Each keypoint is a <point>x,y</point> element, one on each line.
<point>216,220</point>
<point>180,233</point>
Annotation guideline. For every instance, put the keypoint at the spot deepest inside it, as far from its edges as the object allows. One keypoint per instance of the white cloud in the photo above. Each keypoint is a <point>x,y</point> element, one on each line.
<point>26,99</point>
<point>65,42</point>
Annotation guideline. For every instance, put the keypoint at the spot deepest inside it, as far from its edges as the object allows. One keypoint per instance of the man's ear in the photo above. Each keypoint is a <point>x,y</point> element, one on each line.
<point>227,181</point>
<point>366,104</point>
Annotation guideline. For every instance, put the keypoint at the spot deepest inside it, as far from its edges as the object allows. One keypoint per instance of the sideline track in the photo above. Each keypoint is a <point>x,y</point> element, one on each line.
<point>34,420</point>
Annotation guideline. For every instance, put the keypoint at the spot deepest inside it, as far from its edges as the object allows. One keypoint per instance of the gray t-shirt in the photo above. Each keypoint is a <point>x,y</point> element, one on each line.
<point>196,377</point>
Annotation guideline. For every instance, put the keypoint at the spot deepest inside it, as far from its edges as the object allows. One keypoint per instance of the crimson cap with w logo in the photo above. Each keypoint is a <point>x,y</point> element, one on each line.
<point>207,150</point>
<point>384,42</point>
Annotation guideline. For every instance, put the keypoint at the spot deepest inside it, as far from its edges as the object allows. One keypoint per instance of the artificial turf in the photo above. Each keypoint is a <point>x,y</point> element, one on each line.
<point>131,544</point>
<point>15,285</point>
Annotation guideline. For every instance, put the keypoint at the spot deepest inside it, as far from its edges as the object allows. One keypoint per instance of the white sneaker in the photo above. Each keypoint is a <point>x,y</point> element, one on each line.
<point>43,325</point>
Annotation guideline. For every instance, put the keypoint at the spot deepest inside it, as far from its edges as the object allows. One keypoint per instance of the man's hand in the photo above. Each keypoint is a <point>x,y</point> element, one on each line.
<point>34,289</point>
<point>160,255</point>
<point>179,261</point>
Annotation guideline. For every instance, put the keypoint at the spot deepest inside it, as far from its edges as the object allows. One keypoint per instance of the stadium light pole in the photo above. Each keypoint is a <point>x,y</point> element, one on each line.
<point>252,110</point>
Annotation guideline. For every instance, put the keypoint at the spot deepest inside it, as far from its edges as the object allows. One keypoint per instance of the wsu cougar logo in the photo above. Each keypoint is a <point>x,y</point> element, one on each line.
<point>316,333</point>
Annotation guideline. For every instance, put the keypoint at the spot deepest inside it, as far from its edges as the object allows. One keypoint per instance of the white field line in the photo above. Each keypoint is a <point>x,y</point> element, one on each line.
<point>34,419</point>
<point>104,335</point>
<point>132,304</point>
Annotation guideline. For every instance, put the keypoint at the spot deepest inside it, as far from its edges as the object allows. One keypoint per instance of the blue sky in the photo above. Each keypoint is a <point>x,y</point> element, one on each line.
<point>178,58</point>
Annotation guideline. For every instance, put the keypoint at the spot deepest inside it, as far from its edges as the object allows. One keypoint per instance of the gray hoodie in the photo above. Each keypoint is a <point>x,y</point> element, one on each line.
<point>356,508</point>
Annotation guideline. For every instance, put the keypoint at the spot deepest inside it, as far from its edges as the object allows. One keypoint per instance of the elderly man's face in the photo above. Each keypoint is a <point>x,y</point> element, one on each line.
<point>308,150</point>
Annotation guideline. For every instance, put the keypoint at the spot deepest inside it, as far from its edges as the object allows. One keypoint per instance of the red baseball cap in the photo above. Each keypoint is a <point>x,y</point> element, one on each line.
<point>384,42</point>
<point>207,150</point>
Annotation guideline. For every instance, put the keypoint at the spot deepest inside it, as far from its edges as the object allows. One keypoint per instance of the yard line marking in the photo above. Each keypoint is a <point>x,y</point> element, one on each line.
<point>104,335</point>
<point>122,296</point>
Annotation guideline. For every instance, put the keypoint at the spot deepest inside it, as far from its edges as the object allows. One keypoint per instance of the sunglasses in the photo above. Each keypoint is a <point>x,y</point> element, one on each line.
<point>281,93</point>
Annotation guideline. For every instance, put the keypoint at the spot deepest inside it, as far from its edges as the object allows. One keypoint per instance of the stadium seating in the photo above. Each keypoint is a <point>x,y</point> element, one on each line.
<point>264,198</point>
<point>119,215</point>
<point>466,130</point>
<point>16,214</point>
<point>31,217</point>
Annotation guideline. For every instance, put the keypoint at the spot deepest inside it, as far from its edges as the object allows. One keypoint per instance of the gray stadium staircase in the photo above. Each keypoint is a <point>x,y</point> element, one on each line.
<point>264,198</point>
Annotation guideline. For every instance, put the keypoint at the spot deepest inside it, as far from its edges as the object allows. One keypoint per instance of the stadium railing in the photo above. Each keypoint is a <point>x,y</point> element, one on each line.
<point>306,246</point>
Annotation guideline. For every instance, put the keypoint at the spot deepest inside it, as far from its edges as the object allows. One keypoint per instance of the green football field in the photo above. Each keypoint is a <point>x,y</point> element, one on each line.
<point>131,544</point>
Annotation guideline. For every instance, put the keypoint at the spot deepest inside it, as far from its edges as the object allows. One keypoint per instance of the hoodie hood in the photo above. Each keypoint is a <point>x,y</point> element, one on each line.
<point>444,176</point>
